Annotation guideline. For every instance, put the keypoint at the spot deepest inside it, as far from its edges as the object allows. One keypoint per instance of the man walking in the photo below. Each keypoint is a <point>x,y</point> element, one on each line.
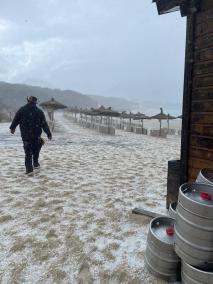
<point>31,120</point>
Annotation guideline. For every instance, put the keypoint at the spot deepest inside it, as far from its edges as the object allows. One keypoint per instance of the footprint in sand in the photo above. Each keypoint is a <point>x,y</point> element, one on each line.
<point>58,275</point>
<point>15,192</point>
<point>85,276</point>
<point>5,218</point>
<point>8,200</point>
<point>41,250</point>
<point>51,234</point>
<point>39,203</point>
<point>18,245</point>
<point>55,201</point>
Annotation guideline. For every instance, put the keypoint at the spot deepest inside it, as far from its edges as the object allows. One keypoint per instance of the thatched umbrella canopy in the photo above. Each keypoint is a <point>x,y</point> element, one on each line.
<point>140,116</point>
<point>91,112</point>
<point>107,112</point>
<point>160,116</point>
<point>102,111</point>
<point>126,115</point>
<point>169,117</point>
<point>51,106</point>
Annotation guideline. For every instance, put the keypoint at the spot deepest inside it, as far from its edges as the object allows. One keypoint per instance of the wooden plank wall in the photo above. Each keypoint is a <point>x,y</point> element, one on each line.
<point>201,116</point>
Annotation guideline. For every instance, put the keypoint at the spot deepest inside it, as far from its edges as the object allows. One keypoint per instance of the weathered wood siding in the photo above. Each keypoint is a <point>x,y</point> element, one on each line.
<point>200,148</point>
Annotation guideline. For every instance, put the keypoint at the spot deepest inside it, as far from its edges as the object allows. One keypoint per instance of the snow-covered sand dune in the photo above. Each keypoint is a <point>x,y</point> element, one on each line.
<point>72,221</point>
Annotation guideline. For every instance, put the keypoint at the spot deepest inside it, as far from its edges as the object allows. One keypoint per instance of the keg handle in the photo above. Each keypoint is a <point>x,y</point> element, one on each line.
<point>170,231</point>
<point>206,196</point>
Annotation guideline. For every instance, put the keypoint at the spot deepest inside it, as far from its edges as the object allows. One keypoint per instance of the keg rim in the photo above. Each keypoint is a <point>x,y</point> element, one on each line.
<point>197,268</point>
<point>189,184</point>
<point>154,221</point>
<point>206,170</point>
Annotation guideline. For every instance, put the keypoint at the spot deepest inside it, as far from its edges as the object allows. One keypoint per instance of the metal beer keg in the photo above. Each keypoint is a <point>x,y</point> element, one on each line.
<point>172,210</point>
<point>193,275</point>
<point>161,259</point>
<point>205,176</point>
<point>194,225</point>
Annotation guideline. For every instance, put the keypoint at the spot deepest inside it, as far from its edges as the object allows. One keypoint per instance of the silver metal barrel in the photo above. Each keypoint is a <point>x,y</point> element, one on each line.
<point>194,225</point>
<point>193,275</point>
<point>172,210</point>
<point>205,176</point>
<point>161,259</point>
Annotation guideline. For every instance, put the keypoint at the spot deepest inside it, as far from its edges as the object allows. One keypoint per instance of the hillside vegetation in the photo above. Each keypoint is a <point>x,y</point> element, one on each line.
<point>12,96</point>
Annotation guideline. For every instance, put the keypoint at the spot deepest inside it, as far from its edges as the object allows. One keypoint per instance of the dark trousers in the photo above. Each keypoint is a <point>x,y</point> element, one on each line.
<point>32,149</point>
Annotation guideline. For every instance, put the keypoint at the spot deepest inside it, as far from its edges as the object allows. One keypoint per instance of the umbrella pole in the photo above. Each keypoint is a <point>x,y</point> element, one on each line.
<point>108,118</point>
<point>168,126</point>
<point>142,125</point>
<point>160,127</point>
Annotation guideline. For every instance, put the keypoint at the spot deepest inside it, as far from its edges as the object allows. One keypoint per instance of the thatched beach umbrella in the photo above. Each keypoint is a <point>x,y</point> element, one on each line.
<point>141,117</point>
<point>90,112</point>
<point>76,110</point>
<point>122,117</point>
<point>107,112</point>
<point>51,106</point>
<point>160,116</point>
<point>169,117</point>
<point>126,115</point>
<point>129,116</point>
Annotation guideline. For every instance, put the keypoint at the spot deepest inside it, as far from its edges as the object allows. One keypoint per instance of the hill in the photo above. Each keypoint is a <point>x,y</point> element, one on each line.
<point>12,96</point>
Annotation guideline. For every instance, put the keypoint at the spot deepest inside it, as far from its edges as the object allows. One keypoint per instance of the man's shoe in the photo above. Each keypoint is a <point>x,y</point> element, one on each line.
<point>36,166</point>
<point>29,174</point>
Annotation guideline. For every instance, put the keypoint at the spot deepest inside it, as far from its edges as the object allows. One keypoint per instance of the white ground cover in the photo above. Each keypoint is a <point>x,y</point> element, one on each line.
<point>72,222</point>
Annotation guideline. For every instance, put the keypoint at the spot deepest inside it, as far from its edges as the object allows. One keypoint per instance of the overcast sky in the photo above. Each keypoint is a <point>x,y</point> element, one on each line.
<point>102,47</point>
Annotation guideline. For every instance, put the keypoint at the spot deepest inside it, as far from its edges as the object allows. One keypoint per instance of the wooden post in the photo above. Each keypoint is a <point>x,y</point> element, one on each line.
<point>187,93</point>
<point>160,127</point>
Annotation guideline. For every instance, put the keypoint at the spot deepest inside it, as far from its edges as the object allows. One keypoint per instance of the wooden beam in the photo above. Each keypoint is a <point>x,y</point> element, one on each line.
<point>187,95</point>
<point>147,213</point>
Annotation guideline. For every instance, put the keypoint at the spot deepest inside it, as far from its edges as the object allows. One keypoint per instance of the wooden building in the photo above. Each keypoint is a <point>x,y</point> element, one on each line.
<point>197,125</point>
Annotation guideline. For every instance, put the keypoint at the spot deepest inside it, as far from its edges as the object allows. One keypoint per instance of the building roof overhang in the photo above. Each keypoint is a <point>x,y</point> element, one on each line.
<point>186,7</point>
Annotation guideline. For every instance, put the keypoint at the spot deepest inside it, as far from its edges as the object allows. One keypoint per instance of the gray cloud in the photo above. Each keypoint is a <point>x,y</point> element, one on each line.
<point>105,47</point>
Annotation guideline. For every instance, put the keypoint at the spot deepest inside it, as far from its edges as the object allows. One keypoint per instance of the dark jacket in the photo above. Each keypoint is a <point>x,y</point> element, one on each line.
<point>31,121</point>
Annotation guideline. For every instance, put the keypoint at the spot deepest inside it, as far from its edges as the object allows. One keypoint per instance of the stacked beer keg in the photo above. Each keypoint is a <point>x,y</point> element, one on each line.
<point>161,259</point>
<point>192,240</point>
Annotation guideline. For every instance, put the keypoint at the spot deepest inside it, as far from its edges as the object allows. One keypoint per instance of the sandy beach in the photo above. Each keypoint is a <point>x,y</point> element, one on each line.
<point>72,222</point>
